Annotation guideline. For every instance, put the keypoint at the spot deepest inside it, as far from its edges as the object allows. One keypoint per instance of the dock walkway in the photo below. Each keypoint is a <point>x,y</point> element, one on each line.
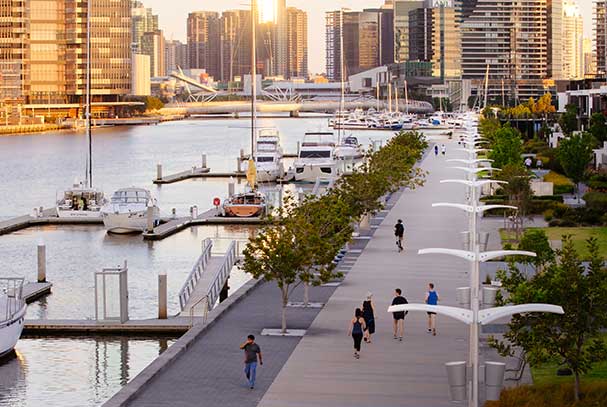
<point>322,372</point>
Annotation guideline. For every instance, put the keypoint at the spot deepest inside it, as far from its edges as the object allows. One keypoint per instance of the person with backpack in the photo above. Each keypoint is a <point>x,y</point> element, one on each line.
<point>399,232</point>
<point>357,329</point>
<point>431,299</point>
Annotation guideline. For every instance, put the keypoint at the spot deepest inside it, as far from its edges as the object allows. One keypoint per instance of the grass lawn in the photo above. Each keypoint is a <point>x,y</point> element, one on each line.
<point>579,235</point>
<point>546,374</point>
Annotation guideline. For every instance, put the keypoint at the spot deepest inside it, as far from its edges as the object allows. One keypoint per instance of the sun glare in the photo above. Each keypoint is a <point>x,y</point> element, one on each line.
<point>267,10</point>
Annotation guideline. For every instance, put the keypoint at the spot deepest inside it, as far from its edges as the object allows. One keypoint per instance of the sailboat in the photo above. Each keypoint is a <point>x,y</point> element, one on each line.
<point>12,313</point>
<point>82,200</point>
<point>250,203</point>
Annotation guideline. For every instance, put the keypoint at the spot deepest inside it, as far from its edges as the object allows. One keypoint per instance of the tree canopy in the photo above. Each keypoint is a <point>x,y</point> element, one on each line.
<point>506,147</point>
<point>574,154</point>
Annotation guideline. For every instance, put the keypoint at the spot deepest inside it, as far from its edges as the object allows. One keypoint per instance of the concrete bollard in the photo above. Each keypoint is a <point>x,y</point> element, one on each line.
<point>301,195</point>
<point>41,263</point>
<point>494,379</point>
<point>174,213</point>
<point>204,161</point>
<point>194,211</point>
<point>162,295</point>
<point>456,375</point>
<point>231,187</point>
<point>41,212</point>
<point>159,171</point>
<point>238,164</point>
<point>35,213</point>
<point>150,219</point>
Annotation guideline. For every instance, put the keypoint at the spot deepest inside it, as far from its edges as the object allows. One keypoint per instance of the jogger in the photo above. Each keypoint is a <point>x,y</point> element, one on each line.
<point>431,299</point>
<point>356,329</point>
<point>399,317</point>
<point>399,232</point>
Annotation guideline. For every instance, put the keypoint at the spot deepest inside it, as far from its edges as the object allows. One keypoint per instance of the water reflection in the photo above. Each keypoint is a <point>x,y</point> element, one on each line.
<point>73,371</point>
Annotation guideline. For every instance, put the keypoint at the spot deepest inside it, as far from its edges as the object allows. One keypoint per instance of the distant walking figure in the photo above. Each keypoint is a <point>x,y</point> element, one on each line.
<point>399,317</point>
<point>252,351</point>
<point>399,232</point>
<point>435,150</point>
<point>443,149</point>
<point>431,299</point>
<point>369,316</point>
<point>356,329</point>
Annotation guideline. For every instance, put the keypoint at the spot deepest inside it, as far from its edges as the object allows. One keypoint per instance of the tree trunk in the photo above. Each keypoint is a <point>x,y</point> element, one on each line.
<point>576,387</point>
<point>577,185</point>
<point>285,300</point>
<point>306,294</point>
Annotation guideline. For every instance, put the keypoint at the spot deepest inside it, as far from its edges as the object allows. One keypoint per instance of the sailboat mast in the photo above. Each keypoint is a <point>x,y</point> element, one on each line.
<point>486,86</point>
<point>89,158</point>
<point>406,99</point>
<point>342,101</point>
<point>253,77</point>
<point>396,97</point>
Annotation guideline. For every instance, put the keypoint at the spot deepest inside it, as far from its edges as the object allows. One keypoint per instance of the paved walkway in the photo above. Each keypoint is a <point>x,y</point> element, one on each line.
<point>322,372</point>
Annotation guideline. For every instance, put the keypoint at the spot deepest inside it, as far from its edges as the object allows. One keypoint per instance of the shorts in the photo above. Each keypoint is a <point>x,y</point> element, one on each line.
<point>431,313</point>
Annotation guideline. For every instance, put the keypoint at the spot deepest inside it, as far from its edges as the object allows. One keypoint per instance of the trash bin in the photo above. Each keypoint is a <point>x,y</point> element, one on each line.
<point>456,374</point>
<point>494,379</point>
<point>463,295</point>
<point>489,294</point>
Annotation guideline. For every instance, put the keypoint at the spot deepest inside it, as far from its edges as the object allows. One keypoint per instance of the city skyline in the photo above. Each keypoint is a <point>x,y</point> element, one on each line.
<point>172,19</point>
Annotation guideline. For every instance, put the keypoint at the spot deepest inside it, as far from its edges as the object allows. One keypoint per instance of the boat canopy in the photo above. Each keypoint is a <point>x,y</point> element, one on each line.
<point>131,195</point>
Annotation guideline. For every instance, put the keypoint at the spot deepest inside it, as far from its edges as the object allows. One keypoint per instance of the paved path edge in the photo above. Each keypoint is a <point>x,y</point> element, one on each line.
<point>162,362</point>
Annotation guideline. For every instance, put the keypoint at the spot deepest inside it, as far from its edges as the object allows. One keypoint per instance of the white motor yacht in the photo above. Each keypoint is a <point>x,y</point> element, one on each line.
<point>316,159</point>
<point>268,156</point>
<point>12,313</point>
<point>81,202</point>
<point>349,149</point>
<point>127,211</point>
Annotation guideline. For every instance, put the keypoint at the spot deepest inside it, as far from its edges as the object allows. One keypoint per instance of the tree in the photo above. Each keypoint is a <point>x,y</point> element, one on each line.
<point>598,127</point>
<point>568,120</point>
<point>294,248</point>
<point>507,147</point>
<point>518,190</point>
<point>574,154</point>
<point>544,106</point>
<point>573,338</point>
<point>536,241</point>
<point>153,103</point>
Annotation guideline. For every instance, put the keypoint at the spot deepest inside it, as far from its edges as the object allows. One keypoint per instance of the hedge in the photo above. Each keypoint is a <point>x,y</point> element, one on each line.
<point>552,395</point>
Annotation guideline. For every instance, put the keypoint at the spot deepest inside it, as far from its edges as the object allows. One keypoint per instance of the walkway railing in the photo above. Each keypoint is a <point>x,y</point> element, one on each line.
<point>210,299</point>
<point>196,273</point>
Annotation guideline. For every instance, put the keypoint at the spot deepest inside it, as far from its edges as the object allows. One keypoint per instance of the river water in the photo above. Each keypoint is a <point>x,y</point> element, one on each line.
<point>34,169</point>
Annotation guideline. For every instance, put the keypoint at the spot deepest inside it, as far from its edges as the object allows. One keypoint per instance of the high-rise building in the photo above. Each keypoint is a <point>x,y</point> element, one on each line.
<point>140,75</point>
<point>434,37</point>
<point>13,43</point>
<point>572,38</point>
<point>203,30</point>
<point>175,56</point>
<point>280,56</point>
<point>589,67</point>
<point>511,39</point>
<point>153,44</point>
<point>365,40</point>
<point>142,21</point>
<point>235,37</point>
<point>600,37</point>
<point>297,43</point>
<point>401,27</point>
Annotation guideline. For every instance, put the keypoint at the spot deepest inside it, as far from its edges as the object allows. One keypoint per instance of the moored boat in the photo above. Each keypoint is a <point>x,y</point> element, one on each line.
<point>127,211</point>
<point>12,313</point>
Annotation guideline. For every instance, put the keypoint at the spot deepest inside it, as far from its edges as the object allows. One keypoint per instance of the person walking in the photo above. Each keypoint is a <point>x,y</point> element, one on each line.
<point>399,232</point>
<point>443,149</point>
<point>369,317</point>
<point>436,150</point>
<point>252,352</point>
<point>431,299</point>
<point>357,328</point>
<point>399,316</point>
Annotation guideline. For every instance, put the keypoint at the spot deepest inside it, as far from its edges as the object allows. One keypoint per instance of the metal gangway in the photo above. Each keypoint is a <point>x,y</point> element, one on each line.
<point>201,290</point>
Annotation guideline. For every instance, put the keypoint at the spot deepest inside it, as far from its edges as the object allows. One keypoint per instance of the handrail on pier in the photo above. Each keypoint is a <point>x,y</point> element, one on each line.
<point>196,273</point>
<point>212,296</point>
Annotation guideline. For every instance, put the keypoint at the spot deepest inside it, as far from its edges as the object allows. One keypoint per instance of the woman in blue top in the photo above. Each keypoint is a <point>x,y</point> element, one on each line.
<point>357,328</point>
<point>431,299</point>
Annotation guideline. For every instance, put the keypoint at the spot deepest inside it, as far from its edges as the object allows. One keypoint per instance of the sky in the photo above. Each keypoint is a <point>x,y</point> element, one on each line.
<point>173,15</point>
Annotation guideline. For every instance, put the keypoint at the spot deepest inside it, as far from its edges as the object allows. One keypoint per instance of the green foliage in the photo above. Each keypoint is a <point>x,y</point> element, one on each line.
<point>574,154</point>
<point>575,337</point>
<point>598,127</point>
<point>553,395</point>
<point>598,182</point>
<point>596,201</point>
<point>536,241</point>
<point>487,126</point>
<point>153,103</point>
<point>506,147</point>
<point>517,188</point>
<point>568,120</point>
<point>299,243</point>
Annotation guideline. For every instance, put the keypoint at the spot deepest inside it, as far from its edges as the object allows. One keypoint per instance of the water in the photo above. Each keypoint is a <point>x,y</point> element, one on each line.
<point>71,372</point>
<point>35,169</point>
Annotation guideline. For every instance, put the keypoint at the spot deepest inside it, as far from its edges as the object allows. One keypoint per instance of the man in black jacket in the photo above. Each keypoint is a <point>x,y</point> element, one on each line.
<point>399,232</point>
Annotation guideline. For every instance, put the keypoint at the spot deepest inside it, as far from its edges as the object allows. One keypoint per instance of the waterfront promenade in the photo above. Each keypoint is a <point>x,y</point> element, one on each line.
<point>322,371</point>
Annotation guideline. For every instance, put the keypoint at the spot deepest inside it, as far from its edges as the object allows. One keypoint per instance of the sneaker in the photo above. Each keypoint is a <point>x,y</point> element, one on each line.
<point>429,330</point>
<point>395,337</point>
<point>400,339</point>
<point>252,387</point>
<point>434,332</point>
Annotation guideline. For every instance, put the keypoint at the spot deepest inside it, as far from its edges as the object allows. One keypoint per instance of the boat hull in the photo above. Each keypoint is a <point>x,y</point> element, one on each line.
<point>243,211</point>
<point>75,214</point>
<point>126,223</point>
<point>312,172</point>
<point>267,175</point>
<point>10,332</point>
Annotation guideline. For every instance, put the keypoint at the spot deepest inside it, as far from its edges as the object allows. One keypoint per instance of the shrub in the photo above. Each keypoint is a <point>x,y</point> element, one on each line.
<point>596,201</point>
<point>561,210</point>
<point>554,223</point>
<point>548,215</point>
<point>562,184</point>
<point>552,395</point>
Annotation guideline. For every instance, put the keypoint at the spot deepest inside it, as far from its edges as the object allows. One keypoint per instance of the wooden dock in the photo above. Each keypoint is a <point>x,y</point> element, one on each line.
<point>60,327</point>
<point>209,217</point>
<point>34,291</point>
<point>195,172</point>
<point>48,217</point>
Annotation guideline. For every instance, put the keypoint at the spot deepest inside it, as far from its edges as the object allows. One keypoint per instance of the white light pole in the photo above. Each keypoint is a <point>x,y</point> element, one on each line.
<point>475,316</point>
